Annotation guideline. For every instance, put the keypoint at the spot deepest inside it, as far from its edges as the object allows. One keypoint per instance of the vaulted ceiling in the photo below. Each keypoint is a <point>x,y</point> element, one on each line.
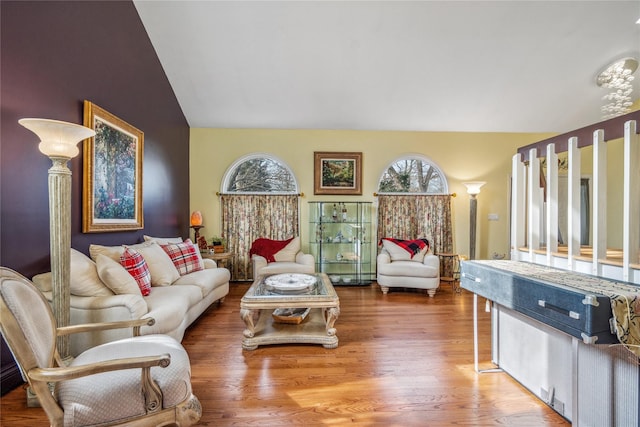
<point>500,66</point>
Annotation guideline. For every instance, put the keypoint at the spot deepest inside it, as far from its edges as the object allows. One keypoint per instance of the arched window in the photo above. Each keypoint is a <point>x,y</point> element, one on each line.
<point>413,174</point>
<point>259,173</point>
<point>260,199</point>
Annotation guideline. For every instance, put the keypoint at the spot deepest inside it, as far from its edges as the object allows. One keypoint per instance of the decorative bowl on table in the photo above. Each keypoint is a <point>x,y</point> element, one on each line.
<point>346,279</point>
<point>334,278</point>
<point>290,282</point>
<point>293,316</point>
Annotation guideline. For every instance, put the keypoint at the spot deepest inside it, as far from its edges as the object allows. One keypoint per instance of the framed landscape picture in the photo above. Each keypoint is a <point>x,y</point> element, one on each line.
<point>337,173</point>
<point>112,175</point>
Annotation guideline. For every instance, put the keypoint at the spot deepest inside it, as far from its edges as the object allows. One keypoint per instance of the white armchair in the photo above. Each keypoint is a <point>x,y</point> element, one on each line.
<point>289,259</point>
<point>398,268</point>
<point>138,381</point>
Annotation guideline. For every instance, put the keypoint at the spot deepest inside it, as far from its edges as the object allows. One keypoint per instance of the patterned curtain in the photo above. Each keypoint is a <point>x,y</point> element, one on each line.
<point>248,217</point>
<point>417,216</point>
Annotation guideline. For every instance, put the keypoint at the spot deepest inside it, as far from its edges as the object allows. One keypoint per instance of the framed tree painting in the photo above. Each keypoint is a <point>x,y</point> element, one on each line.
<point>112,173</point>
<point>337,173</point>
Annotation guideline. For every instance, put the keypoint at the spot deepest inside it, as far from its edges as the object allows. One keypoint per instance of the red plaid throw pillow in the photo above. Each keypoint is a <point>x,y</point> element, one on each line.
<point>133,262</point>
<point>185,256</point>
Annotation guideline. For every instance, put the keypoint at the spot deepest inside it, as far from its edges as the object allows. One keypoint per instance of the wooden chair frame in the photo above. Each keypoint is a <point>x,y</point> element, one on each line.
<point>39,379</point>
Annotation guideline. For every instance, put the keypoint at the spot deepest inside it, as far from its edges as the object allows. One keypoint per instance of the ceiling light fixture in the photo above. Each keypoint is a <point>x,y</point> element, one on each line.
<point>617,77</point>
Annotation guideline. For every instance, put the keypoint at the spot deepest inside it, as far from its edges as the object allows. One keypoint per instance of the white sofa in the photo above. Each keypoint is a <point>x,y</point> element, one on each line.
<point>397,268</point>
<point>102,291</point>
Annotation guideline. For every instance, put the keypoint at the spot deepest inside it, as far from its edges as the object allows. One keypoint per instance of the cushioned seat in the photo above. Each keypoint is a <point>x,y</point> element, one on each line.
<point>207,280</point>
<point>408,269</point>
<point>95,399</point>
<point>407,264</point>
<point>280,256</point>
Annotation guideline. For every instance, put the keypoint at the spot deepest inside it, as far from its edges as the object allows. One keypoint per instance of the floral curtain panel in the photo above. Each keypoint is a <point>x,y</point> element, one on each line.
<point>417,216</point>
<point>248,217</point>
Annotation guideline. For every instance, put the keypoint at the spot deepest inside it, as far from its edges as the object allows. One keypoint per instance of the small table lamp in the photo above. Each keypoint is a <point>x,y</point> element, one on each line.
<point>196,224</point>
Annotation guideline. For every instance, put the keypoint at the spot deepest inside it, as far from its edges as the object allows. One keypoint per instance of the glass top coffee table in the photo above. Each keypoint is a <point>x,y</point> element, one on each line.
<point>290,291</point>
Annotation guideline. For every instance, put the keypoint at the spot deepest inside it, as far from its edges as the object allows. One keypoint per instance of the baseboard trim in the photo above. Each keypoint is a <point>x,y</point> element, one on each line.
<point>10,378</point>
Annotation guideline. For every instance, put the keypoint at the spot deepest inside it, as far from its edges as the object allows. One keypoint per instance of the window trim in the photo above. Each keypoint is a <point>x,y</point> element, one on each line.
<point>414,156</point>
<point>251,156</point>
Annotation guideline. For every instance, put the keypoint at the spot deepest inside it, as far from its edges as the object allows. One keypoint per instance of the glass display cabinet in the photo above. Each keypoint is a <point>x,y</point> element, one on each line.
<point>340,240</point>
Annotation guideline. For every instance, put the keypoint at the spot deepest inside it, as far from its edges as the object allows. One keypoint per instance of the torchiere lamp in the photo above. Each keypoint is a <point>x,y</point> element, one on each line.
<point>58,141</point>
<point>473,188</point>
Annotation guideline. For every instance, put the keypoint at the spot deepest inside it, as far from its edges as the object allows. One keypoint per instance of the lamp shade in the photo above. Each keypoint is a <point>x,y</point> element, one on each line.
<point>196,219</point>
<point>473,187</point>
<point>57,139</point>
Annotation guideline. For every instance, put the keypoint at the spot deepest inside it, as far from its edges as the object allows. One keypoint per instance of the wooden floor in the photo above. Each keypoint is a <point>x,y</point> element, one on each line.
<point>404,359</point>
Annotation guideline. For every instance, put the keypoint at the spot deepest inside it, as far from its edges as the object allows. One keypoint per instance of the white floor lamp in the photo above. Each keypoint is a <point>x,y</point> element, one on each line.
<point>473,188</point>
<point>58,141</point>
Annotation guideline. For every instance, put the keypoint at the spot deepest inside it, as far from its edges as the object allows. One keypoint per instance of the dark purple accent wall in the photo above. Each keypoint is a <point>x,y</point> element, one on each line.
<point>54,55</point>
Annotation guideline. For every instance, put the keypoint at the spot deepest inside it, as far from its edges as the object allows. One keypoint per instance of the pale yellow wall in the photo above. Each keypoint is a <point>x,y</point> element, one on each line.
<point>615,199</point>
<point>461,156</point>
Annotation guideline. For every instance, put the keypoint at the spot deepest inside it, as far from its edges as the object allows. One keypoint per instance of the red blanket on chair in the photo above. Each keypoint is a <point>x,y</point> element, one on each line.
<point>411,246</point>
<point>268,248</point>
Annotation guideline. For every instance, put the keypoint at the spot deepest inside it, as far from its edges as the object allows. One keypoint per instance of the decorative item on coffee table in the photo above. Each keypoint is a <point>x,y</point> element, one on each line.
<point>293,316</point>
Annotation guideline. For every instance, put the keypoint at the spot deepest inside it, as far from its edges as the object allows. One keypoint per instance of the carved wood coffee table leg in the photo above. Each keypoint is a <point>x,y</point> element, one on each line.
<point>331,315</point>
<point>247,316</point>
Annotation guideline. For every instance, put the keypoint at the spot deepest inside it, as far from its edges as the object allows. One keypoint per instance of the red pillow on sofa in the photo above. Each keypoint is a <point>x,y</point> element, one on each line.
<point>135,264</point>
<point>185,256</point>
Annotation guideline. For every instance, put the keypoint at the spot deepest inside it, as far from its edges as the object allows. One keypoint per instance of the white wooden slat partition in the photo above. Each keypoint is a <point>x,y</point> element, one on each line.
<point>518,205</point>
<point>534,204</point>
<point>573,209</point>
<point>551,212</point>
<point>631,212</point>
<point>599,201</point>
<point>534,209</point>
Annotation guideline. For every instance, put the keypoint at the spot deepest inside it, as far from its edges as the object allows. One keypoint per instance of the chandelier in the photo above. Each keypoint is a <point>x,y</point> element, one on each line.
<point>617,77</point>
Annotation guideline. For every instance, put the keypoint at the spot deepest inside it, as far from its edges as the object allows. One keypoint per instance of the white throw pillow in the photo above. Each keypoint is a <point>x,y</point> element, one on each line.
<point>85,281</point>
<point>400,254</point>
<point>162,240</point>
<point>420,255</point>
<point>116,277</point>
<point>112,252</point>
<point>43,281</point>
<point>289,252</point>
<point>163,272</point>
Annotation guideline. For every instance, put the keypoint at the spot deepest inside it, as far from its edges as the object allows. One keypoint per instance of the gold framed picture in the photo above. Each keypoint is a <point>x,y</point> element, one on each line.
<point>337,173</point>
<point>112,173</point>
